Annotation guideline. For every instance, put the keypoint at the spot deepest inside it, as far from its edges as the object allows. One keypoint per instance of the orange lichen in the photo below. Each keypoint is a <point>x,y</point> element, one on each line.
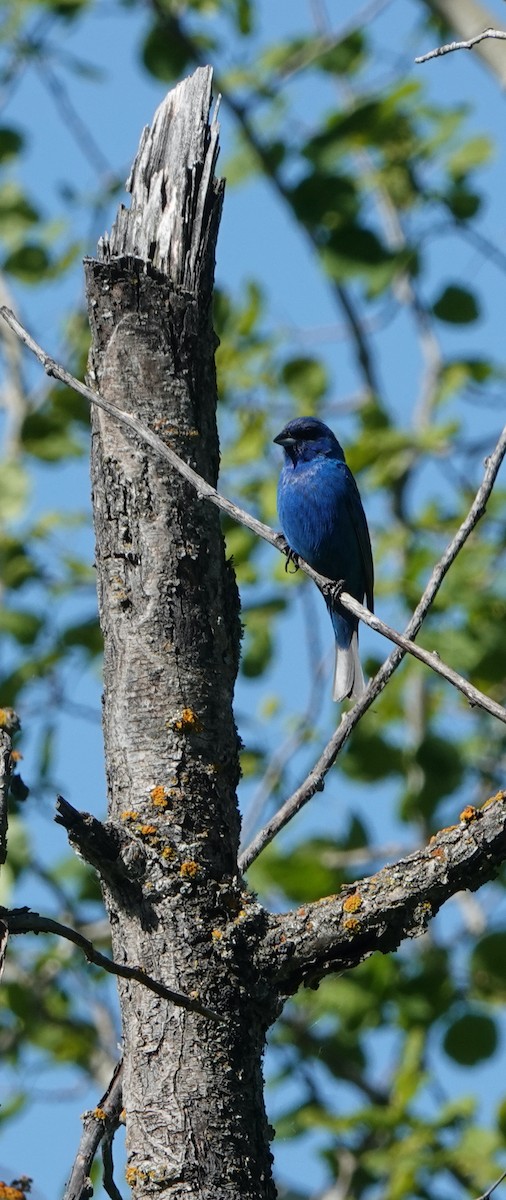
<point>129,814</point>
<point>159,796</point>
<point>168,852</point>
<point>99,1114</point>
<point>9,720</point>
<point>16,755</point>
<point>133,1175</point>
<point>499,796</point>
<point>438,852</point>
<point>189,869</point>
<point>8,1192</point>
<point>469,813</point>
<point>216,934</point>
<point>351,924</point>
<point>146,830</point>
<point>187,721</point>
<point>352,903</point>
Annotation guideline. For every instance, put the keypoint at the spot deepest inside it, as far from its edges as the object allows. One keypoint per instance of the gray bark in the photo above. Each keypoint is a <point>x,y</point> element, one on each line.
<point>466,18</point>
<point>169,611</point>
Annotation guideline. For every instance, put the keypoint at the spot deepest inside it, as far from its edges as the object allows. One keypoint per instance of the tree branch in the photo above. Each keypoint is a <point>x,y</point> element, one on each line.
<point>97,1123</point>
<point>5,774</point>
<point>21,920</point>
<point>206,491</point>
<point>115,855</point>
<point>377,913</point>
<point>500,34</point>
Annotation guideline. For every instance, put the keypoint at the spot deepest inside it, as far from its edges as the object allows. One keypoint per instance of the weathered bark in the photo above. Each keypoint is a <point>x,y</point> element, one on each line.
<point>169,611</point>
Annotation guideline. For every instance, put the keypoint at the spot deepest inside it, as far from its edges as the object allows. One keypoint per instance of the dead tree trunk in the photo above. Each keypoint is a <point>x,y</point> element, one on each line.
<point>169,610</point>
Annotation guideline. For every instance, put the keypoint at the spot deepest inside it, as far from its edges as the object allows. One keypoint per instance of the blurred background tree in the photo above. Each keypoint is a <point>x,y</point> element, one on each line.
<point>361,278</point>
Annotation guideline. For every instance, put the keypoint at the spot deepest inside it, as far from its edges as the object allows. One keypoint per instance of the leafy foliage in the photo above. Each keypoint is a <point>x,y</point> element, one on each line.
<point>367,179</point>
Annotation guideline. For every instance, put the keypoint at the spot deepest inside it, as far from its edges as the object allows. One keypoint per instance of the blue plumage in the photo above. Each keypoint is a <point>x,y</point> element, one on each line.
<point>323,521</point>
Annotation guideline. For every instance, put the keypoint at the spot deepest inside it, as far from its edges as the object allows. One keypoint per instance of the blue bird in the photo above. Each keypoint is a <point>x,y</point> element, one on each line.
<point>323,521</point>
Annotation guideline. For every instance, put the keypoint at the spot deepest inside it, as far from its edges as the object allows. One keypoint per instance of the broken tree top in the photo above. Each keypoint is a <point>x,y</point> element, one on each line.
<point>172,222</point>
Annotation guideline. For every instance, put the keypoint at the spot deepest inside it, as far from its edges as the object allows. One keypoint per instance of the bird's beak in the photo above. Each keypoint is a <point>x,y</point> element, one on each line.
<point>282,440</point>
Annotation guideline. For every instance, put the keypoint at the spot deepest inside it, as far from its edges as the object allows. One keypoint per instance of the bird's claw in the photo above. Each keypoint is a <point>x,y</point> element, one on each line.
<point>293,558</point>
<point>333,592</point>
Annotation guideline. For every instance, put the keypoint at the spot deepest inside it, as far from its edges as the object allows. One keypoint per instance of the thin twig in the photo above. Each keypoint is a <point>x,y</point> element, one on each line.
<point>21,920</point>
<point>486,1195</point>
<point>468,45</point>
<point>108,1181</point>
<point>206,491</point>
<point>96,1124</point>
<point>315,781</point>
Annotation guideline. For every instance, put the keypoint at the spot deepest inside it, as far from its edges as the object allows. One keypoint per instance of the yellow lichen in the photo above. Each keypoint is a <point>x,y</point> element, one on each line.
<point>189,869</point>
<point>351,924</point>
<point>469,813</point>
<point>9,720</point>
<point>168,852</point>
<point>99,1114</point>
<point>133,1175</point>
<point>8,1192</point>
<point>187,721</point>
<point>146,830</point>
<point>352,903</point>
<point>499,796</point>
<point>129,814</point>
<point>216,934</point>
<point>159,796</point>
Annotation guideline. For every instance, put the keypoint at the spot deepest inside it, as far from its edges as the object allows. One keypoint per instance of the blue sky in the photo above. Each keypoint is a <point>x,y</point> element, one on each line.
<point>257,240</point>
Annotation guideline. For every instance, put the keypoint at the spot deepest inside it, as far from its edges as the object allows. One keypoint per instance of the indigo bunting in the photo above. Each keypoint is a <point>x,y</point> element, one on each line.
<point>323,521</point>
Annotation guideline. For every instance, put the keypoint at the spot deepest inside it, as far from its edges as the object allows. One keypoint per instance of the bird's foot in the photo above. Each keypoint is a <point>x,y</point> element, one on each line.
<point>333,591</point>
<point>293,559</point>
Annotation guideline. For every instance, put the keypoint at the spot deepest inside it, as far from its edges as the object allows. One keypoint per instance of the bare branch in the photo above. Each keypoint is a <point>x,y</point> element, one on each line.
<point>377,913</point>
<point>21,920</point>
<point>315,781</point>
<point>5,774</point>
<point>486,1195</point>
<point>206,491</point>
<point>108,1164</point>
<point>500,34</point>
<point>97,1123</point>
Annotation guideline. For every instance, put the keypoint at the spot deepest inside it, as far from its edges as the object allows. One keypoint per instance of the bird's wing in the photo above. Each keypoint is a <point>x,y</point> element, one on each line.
<point>359,522</point>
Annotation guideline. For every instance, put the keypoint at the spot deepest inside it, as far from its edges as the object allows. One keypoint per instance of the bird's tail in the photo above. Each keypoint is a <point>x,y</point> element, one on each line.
<point>348,676</point>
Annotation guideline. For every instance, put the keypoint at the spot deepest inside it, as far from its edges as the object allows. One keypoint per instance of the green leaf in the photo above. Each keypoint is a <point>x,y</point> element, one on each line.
<point>488,966</point>
<point>471,1039</point>
<point>85,634</point>
<point>165,53</point>
<point>470,154</point>
<point>47,435</point>
<point>307,379</point>
<point>14,489</point>
<point>456,305</point>
<point>11,142</point>
<point>28,263</point>
<point>16,212</point>
<point>328,199</point>
<point>23,626</point>
<point>463,203</point>
<point>346,57</point>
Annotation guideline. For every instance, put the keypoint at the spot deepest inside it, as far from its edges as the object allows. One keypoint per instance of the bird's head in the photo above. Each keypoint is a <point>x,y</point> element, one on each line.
<point>306,438</point>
